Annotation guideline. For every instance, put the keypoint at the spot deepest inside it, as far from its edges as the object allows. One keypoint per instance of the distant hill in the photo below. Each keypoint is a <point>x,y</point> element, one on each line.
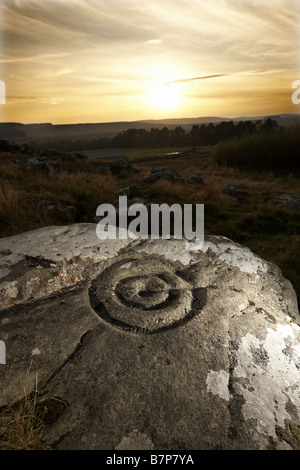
<point>17,132</point>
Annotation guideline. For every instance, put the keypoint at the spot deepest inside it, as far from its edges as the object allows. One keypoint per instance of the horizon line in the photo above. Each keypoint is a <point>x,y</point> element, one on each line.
<point>150,120</point>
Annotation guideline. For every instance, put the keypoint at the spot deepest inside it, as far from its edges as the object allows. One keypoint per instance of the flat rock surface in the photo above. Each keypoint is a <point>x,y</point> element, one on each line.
<point>153,346</point>
<point>41,262</point>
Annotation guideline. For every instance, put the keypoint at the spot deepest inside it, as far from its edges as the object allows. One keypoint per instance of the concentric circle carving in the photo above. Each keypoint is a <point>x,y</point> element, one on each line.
<point>145,294</point>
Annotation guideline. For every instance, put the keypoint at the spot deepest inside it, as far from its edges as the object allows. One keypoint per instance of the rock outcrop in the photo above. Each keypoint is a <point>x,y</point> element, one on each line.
<point>168,174</point>
<point>147,345</point>
<point>72,156</point>
<point>5,146</point>
<point>286,201</point>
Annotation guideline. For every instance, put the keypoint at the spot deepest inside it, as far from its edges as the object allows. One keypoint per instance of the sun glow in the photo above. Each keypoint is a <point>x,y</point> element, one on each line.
<point>165,96</point>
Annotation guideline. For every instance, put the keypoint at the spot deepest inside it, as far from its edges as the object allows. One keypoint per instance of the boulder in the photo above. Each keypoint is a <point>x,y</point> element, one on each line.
<point>158,174</point>
<point>194,179</point>
<point>121,165</point>
<point>46,205</point>
<point>53,153</point>
<point>168,174</point>
<point>161,174</point>
<point>5,146</point>
<point>150,344</point>
<point>26,149</point>
<point>286,201</point>
<point>234,192</point>
<point>131,192</point>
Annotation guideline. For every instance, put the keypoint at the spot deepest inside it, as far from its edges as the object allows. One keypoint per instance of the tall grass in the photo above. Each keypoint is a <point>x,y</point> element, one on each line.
<point>21,428</point>
<point>75,196</point>
<point>276,152</point>
<point>9,199</point>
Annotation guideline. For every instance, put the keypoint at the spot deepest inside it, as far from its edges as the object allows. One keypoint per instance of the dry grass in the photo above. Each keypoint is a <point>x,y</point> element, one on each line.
<point>21,428</point>
<point>10,198</point>
<point>212,190</point>
<point>75,196</point>
<point>169,187</point>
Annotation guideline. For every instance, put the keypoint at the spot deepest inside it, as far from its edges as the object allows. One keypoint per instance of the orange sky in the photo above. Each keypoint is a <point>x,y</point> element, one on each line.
<point>123,60</point>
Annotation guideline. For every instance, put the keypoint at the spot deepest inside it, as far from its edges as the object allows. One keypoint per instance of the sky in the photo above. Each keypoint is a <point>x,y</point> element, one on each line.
<point>70,61</point>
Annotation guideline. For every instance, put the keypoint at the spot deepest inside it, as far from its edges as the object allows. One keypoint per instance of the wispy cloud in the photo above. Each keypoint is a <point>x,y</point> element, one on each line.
<point>14,60</point>
<point>206,77</point>
<point>264,72</point>
<point>154,41</point>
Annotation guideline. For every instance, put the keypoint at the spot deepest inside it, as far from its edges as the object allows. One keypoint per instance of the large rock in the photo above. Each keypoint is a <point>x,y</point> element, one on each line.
<point>170,175</point>
<point>286,201</point>
<point>194,179</point>
<point>120,165</point>
<point>156,347</point>
<point>41,262</point>
<point>131,192</point>
<point>53,153</point>
<point>158,174</point>
<point>5,146</point>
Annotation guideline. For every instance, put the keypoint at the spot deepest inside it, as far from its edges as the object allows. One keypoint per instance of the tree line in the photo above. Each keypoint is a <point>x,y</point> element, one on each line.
<point>205,134</point>
<point>278,152</point>
<point>198,135</point>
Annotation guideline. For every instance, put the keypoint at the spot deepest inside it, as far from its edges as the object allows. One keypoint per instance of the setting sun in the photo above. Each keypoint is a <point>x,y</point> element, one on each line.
<point>127,60</point>
<point>165,96</point>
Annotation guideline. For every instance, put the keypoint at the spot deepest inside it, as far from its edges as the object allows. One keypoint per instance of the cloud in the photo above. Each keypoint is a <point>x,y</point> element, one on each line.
<point>34,58</point>
<point>154,41</point>
<point>206,77</point>
<point>263,72</point>
<point>189,30</point>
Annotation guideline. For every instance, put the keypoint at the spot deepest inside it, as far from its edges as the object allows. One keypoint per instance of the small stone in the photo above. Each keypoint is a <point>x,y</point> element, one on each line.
<point>36,352</point>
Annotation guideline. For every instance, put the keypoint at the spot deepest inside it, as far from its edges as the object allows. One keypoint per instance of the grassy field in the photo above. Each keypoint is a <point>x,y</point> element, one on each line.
<point>137,154</point>
<point>246,216</point>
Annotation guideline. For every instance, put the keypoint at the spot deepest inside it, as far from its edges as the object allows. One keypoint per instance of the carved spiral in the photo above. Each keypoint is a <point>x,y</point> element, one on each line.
<point>143,294</point>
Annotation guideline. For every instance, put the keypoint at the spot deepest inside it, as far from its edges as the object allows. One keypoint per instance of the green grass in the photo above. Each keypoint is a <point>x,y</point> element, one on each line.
<point>137,154</point>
